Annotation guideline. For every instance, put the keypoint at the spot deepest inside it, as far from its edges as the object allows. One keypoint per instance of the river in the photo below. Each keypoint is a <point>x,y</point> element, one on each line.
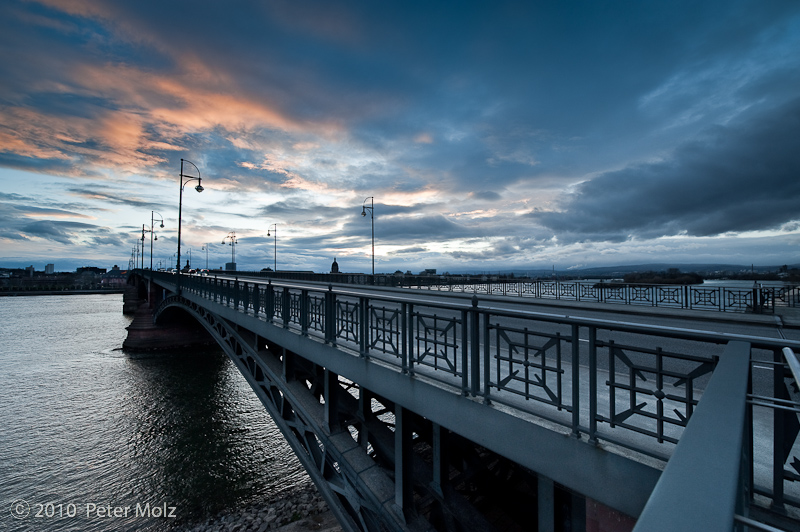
<point>93,438</point>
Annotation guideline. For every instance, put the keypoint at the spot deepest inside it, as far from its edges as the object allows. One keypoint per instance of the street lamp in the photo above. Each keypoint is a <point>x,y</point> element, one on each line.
<point>134,260</point>
<point>232,238</point>
<point>275,234</point>
<point>144,230</point>
<point>205,248</point>
<point>153,236</point>
<point>198,188</point>
<point>372,217</point>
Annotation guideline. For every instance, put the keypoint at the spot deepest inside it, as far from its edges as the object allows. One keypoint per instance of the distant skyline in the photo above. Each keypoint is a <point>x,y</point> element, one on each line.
<point>492,136</point>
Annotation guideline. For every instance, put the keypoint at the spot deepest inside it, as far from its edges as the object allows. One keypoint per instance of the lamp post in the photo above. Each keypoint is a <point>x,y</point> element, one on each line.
<point>372,217</point>
<point>143,232</point>
<point>198,188</point>
<point>275,234</point>
<point>152,234</point>
<point>232,238</point>
<point>205,248</point>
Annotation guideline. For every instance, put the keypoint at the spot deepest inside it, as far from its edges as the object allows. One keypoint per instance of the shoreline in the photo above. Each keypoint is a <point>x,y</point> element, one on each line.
<point>62,292</point>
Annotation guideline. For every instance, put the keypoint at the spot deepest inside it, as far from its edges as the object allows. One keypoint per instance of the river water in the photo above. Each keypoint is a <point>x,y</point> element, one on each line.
<point>93,438</point>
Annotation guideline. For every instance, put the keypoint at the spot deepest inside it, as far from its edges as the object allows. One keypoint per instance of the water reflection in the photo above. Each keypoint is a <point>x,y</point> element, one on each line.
<point>194,435</point>
<point>83,422</point>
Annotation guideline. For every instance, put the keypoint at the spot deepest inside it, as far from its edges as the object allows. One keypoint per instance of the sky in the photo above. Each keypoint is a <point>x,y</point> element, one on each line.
<point>487,135</point>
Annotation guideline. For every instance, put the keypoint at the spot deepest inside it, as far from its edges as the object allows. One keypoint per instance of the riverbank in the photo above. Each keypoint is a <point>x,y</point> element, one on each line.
<point>297,511</point>
<point>21,293</point>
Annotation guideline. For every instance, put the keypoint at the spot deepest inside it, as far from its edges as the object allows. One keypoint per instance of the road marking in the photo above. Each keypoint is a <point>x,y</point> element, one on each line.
<point>763,367</point>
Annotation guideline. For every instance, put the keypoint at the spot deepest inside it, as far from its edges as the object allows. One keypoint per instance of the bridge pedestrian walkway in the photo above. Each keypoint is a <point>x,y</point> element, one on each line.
<point>595,403</point>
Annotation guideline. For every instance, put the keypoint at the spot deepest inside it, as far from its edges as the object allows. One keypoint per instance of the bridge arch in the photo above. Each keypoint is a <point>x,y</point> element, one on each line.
<point>295,407</point>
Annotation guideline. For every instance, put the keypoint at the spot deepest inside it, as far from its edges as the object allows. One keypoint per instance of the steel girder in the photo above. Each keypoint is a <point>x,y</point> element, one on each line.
<point>300,416</point>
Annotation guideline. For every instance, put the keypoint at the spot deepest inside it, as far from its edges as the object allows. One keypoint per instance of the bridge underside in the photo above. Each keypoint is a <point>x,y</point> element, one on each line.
<point>416,456</point>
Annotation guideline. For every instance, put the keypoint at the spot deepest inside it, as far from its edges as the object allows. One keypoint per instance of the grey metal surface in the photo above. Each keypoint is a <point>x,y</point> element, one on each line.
<point>699,487</point>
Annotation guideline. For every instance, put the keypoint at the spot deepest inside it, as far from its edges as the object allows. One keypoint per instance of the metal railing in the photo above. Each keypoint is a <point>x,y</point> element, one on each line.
<point>615,383</point>
<point>757,298</point>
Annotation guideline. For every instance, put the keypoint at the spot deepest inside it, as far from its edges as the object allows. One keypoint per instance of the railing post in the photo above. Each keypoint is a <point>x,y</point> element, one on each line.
<point>269,303</point>
<point>256,299</point>
<point>330,316</point>
<point>304,317</point>
<point>576,382</point>
<point>487,356</point>
<point>363,337</point>
<point>287,307</point>
<point>778,458</point>
<point>410,337</point>
<point>403,336</point>
<point>592,385</point>
<point>756,302</point>
<point>236,293</point>
<point>464,352</point>
<point>475,365</point>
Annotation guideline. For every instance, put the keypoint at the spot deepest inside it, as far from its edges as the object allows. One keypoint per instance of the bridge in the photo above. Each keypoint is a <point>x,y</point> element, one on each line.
<point>415,411</point>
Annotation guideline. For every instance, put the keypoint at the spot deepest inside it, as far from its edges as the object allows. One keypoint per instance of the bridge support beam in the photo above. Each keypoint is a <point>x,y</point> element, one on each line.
<point>546,501</point>
<point>403,477</point>
<point>332,390</point>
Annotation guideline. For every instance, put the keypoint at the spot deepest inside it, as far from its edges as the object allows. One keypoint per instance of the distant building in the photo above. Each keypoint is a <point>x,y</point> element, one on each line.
<point>115,277</point>
<point>428,271</point>
<point>335,266</point>
<point>90,269</point>
<point>50,269</point>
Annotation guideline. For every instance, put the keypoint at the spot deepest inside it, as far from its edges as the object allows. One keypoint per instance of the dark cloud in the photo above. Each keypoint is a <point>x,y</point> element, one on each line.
<point>738,177</point>
<point>486,195</point>
<point>62,232</point>
<point>118,196</point>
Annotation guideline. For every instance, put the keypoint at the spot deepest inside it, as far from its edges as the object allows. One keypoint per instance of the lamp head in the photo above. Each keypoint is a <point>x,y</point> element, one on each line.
<point>363,211</point>
<point>155,237</point>
<point>199,188</point>
<point>162,225</point>
<point>268,233</point>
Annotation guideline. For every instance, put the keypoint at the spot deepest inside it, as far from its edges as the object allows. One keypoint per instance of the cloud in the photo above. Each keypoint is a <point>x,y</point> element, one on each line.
<point>57,231</point>
<point>735,178</point>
